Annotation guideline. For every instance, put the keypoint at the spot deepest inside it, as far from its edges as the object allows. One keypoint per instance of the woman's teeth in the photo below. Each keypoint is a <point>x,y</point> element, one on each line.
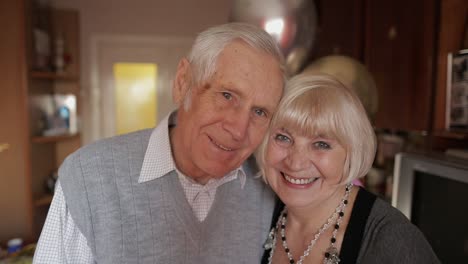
<point>298,181</point>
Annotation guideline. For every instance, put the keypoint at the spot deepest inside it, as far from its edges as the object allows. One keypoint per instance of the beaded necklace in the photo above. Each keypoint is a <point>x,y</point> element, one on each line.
<point>331,254</point>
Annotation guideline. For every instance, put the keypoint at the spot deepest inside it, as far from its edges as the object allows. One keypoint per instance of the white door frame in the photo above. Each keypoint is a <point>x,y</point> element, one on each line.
<point>103,49</point>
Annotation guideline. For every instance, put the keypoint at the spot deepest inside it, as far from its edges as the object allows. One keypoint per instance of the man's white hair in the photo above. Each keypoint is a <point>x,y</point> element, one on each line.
<point>211,42</point>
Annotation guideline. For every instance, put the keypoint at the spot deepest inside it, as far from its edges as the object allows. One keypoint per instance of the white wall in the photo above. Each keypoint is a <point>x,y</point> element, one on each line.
<point>158,18</point>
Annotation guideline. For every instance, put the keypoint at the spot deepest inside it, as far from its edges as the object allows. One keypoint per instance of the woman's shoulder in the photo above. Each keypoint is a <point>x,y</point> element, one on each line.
<point>388,234</point>
<point>383,212</point>
<point>385,222</point>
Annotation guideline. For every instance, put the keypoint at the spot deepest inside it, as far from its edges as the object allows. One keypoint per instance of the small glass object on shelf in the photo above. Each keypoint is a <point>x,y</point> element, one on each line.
<point>14,245</point>
<point>55,114</point>
<point>59,59</point>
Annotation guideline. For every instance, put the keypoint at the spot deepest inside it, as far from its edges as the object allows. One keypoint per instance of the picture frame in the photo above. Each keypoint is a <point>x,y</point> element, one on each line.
<point>457,91</point>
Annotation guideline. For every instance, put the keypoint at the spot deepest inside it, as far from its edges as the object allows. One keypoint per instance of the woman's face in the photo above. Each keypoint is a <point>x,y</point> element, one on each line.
<point>303,171</point>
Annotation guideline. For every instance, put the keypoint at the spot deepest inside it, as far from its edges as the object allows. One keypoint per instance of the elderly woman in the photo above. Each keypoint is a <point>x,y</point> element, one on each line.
<point>320,140</point>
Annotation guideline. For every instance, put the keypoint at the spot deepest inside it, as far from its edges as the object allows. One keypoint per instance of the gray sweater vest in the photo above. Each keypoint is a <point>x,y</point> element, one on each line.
<point>129,222</point>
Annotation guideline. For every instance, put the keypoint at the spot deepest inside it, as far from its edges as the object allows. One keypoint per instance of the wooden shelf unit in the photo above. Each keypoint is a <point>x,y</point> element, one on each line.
<point>452,135</point>
<point>43,201</point>
<point>57,138</point>
<point>48,152</point>
<point>27,160</point>
<point>48,75</point>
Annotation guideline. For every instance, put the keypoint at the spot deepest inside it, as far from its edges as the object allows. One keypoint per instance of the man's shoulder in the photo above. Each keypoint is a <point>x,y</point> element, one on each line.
<point>108,146</point>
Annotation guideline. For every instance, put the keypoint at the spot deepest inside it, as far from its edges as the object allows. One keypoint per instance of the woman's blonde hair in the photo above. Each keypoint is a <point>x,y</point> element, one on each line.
<point>318,104</point>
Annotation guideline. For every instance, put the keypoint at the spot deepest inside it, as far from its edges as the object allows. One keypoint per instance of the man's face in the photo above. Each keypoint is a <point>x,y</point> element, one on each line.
<point>228,115</point>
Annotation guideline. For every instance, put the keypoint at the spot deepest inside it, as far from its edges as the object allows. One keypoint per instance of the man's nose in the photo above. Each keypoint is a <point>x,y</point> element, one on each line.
<point>237,123</point>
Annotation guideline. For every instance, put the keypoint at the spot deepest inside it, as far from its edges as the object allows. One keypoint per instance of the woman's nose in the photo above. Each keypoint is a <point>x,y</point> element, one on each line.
<point>298,159</point>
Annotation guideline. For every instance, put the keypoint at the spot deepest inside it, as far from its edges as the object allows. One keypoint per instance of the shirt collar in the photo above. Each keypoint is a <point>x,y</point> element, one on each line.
<point>214,183</point>
<point>158,160</point>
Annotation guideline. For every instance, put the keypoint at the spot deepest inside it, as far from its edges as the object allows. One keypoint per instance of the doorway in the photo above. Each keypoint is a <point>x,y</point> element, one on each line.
<point>108,51</point>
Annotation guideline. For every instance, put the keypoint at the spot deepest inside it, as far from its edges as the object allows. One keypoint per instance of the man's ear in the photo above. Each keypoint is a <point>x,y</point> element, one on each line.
<point>182,81</point>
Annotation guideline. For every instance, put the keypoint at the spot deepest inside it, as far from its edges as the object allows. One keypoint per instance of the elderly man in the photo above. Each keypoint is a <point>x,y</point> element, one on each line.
<point>183,192</point>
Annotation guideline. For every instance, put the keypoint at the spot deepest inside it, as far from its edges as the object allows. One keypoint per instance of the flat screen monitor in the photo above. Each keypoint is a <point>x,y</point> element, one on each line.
<point>432,191</point>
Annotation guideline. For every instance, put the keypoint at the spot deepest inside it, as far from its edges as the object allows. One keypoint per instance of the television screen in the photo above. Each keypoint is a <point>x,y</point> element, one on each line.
<point>432,191</point>
<point>440,211</point>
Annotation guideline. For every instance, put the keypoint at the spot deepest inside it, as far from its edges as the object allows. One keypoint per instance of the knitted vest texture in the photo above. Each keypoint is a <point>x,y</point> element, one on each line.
<point>129,222</point>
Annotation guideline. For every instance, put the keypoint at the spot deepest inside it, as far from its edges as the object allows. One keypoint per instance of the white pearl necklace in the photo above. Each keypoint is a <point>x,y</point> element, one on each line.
<point>331,255</point>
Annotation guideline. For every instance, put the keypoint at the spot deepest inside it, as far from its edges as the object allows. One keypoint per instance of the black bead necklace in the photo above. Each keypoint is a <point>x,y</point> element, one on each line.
<point>331,254</point>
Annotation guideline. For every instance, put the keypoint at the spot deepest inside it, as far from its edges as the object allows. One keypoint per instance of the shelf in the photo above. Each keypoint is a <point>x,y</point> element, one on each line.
<point>48,75</point>
<point>43,201</point>
<point>451,134</point>
<point>49,139</point>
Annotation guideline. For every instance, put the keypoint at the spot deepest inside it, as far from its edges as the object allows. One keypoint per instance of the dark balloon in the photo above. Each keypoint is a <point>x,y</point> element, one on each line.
<point>299,25</point>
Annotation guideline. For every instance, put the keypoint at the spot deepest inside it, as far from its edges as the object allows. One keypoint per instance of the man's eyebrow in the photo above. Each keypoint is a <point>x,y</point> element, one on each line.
<point>270,108</point>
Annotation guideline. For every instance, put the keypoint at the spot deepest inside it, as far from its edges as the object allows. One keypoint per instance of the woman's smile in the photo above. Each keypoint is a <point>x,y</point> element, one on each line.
<point>303,182</point>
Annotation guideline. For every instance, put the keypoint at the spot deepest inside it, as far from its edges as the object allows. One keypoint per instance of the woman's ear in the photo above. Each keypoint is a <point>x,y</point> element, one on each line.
<point>182,81</point>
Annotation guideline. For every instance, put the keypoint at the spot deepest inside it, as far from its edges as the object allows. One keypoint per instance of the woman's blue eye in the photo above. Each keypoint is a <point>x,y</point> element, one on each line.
<point>322,145</point>
<point>282,138</point>
<point>227,95</point>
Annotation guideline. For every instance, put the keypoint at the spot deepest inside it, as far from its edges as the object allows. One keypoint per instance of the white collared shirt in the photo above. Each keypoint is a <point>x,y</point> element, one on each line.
<point>62,242</point>
<point>201,197</point>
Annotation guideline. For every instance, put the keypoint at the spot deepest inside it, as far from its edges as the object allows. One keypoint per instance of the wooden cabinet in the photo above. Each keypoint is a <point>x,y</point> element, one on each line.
<point>400,54</point>
<point>396,40</point>
<point>453,27</point>
<point>340,28</point>
<point>15,185</point>
<point>404,44</point>
<point>28,158</point>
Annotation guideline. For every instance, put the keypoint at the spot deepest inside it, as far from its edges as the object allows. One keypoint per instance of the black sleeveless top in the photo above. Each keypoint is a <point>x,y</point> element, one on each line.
<point>354,232</point>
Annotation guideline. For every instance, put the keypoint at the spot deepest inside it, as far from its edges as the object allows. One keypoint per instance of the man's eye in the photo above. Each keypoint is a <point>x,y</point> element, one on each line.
<point>227,95</point>
<point>259,112</point>
<point>322,145</point>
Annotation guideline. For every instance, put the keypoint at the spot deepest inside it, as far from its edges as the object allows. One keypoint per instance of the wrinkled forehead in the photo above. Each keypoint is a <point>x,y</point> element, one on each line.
<point>251,73</point>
